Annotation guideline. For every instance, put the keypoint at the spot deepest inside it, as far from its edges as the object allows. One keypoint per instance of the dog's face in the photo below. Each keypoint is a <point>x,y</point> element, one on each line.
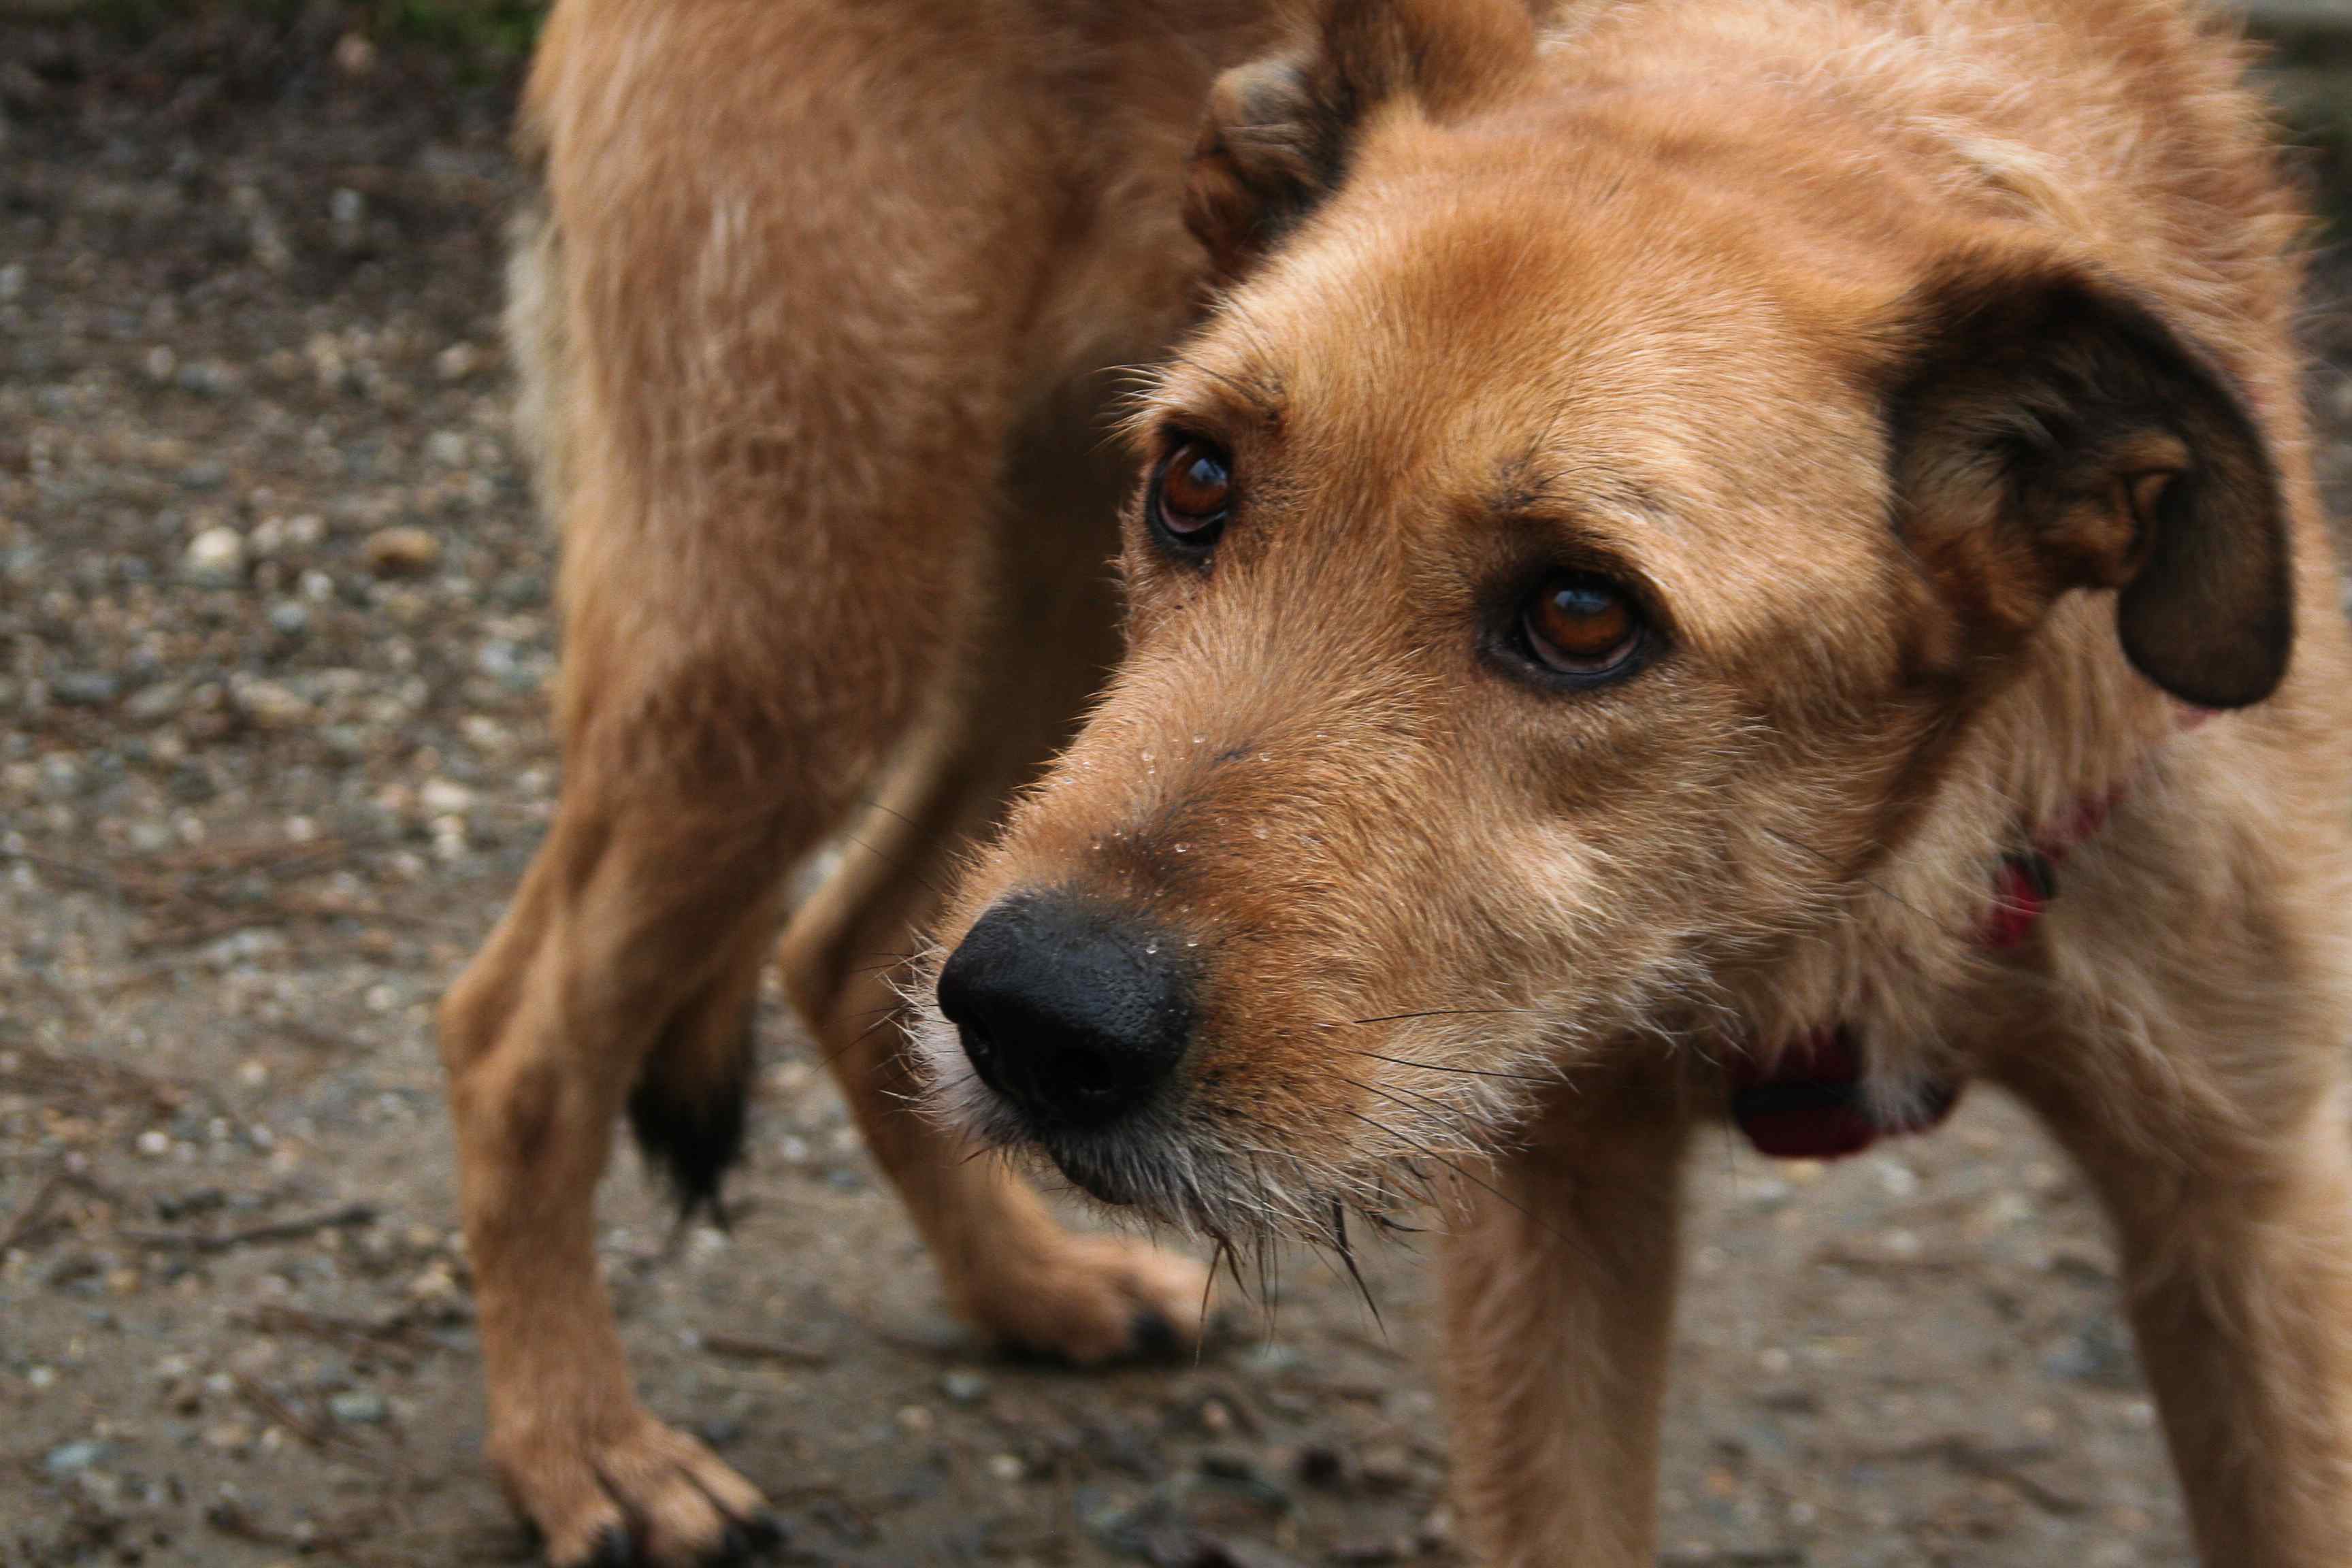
<point>1545,597</point>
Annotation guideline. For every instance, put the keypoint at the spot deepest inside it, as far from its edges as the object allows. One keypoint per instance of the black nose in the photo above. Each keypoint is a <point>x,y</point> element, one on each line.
<point>1071,1010</point>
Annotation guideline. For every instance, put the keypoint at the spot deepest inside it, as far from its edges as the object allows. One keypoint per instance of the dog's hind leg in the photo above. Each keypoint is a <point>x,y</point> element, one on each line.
<point>1559,1291</point>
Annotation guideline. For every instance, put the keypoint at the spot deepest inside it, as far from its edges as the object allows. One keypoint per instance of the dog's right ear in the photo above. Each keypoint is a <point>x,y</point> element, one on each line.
<point>1276,134</point>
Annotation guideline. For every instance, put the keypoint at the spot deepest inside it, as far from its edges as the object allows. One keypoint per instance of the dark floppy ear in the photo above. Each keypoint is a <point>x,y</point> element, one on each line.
<point>1276,136</point>
<point>2051,432</point>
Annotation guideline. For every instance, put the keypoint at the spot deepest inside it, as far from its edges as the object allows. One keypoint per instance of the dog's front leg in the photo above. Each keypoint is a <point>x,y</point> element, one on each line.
<point>2232,1196</point>
<point>1559,1291</point>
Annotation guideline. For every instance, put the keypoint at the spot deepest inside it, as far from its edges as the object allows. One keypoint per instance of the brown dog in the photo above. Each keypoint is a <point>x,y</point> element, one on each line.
<point>1673,523</point>
<point>1673,531</point>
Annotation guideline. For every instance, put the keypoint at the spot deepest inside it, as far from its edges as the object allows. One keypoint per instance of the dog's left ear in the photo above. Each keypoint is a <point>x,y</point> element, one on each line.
<point>2051,432</point>
<point>1276,134</point>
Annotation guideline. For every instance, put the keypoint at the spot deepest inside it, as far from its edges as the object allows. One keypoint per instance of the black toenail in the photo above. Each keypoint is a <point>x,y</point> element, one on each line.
<point>614,1549</point>
<point>763,1530</point>
<point>1151,1337</point>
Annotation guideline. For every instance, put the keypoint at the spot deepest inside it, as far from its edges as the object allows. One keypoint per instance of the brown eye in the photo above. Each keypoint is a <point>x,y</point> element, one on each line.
<point>1579,623</point>
<point>1192,493</point>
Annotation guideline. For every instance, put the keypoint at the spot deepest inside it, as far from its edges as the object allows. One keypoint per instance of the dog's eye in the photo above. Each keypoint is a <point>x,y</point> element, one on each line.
<point>1191,494</point>
<point>1578,623</point>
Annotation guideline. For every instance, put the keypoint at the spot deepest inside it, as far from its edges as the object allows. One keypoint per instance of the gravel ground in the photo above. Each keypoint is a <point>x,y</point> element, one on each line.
<point>274,628</point>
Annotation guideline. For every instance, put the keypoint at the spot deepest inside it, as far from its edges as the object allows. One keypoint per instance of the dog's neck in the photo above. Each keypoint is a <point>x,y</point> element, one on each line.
<point>2025,880</point>
<point>1810,1097</point>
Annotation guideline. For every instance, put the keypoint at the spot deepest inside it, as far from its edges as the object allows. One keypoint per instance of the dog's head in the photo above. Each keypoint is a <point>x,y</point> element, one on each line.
<point>1563,567</point>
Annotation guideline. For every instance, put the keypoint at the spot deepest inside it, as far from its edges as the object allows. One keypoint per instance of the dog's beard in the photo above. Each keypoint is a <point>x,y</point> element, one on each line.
<point>1223,1178</point>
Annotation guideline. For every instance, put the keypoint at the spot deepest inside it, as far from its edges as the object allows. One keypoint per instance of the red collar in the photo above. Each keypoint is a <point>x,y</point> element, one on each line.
<point>1808,1102</point>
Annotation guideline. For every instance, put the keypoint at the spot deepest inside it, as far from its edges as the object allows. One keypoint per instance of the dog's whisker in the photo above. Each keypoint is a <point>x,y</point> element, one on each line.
<point>1208,1290</point>
<point>902,862</point>
<point>880,959</point>
<point>1453,1115</point>
<point>889,1015</point>
<point>1448,1013</point>
<point>1347,1255</point>
<point>876,802</point>
<point>1548,1082</point>
<point>1476,1181</point>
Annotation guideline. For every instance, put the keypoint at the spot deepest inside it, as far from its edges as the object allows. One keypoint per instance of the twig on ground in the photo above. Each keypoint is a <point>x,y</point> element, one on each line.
<point>38,1210</point>
<point>2006,1465</point>
<point>35,1212</point>
<point>742,1348</point>
<point>238,1523</point>
<point>343,1218</point>
<point>313,1436</point>
<point>32,1071</point>
<point>281,1319</point>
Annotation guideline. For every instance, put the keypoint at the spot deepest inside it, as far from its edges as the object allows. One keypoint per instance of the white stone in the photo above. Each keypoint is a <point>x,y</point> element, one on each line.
<point>215,558</point>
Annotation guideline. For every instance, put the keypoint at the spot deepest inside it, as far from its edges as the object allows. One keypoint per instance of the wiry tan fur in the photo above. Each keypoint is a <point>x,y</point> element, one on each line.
<point>1882,344</point>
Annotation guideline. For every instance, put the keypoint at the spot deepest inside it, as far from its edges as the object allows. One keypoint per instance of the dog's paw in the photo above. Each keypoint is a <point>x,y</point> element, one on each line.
<point>650,1498</point>
<point>1093,1299</point>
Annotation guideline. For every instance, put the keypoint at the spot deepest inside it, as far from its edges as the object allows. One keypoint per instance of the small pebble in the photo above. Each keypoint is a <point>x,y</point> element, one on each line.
<point>2098,1353</point>
<point>269,705</point>
<point>66,1458</point>
<point>1386,1468</point>
<point>215,559</point>
<point>83,689</point>
<point>400,551</point>
<point>357,1407</point>
<point>444,798</point>
<point>160,701</point>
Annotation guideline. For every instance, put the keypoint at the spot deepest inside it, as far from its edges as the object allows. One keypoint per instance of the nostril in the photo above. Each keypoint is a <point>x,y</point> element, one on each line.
<point>1091,1077</point>
<point>982,1048</point>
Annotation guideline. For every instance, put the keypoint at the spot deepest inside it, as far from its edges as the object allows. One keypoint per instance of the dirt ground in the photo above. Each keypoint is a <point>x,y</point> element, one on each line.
<point>272,750</point>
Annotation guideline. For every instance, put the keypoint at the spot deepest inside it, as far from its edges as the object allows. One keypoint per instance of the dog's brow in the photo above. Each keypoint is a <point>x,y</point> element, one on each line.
<point>1187,390</point>
<point>1537,489</point>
